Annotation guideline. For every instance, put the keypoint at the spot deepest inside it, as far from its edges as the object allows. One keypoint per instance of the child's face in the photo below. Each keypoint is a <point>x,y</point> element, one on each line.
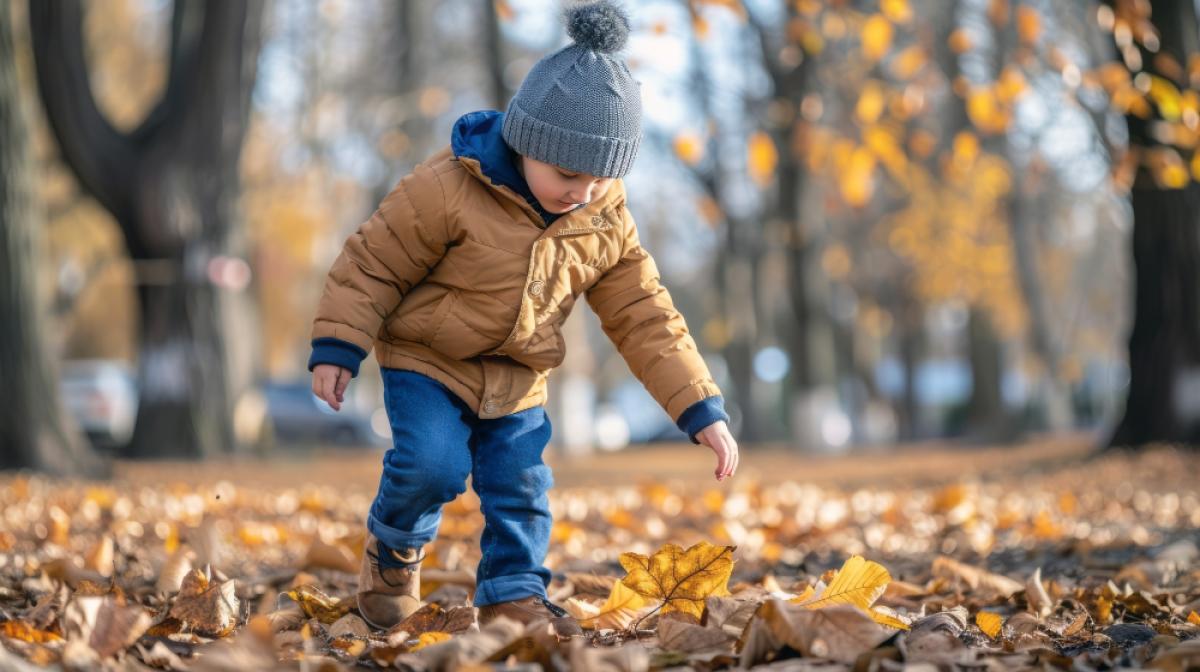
<point>560,190</point>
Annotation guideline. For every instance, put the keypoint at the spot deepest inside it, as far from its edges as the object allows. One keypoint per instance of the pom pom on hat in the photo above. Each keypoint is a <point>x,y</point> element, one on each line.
<point>601,26</point>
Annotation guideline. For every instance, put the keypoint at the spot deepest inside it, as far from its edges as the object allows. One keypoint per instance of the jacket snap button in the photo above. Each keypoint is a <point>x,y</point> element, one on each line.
<point>489,407</point>
<point>535,287</point>
<point>597,220</point>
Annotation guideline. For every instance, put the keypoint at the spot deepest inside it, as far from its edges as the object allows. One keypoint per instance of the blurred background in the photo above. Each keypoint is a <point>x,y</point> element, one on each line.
<point>885,221</point>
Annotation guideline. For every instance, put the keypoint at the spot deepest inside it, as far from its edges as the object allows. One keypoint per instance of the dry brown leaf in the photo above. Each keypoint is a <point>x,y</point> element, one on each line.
<point>99,558</point>
<point>676,635</point>
<point>433,618</point>
<point>1035,594</point>
<point>206,608</point>
<point>978,580</point>
<point>318,605</point>
<point>729,614</point>
<point>608,659</point>
<point>840,632</point>
<point>170,577</point>
<point>349,626</point>
<point>457,652</point>
<point>1076,626</point>
<point>104,624</point>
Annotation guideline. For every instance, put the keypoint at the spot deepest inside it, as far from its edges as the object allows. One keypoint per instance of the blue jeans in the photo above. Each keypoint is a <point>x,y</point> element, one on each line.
<point>437,441</point>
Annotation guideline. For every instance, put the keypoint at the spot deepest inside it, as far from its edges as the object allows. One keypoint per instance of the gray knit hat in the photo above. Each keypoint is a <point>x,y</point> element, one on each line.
<point>580,107</point>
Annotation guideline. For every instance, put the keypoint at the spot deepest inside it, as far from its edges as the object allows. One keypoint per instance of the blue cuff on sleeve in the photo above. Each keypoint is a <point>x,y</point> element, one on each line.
<point>702,414</point>
<point>337,352</point>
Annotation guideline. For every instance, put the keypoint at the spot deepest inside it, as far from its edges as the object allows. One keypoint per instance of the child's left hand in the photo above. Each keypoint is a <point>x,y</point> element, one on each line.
<point>717,437</point>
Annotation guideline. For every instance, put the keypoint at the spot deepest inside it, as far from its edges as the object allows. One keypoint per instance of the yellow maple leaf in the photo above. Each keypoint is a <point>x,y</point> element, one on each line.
<point>1194,618</point>
<point>618,611</point>
<point>990,623</point>
<point>680,579</point>
<point>858,583</point>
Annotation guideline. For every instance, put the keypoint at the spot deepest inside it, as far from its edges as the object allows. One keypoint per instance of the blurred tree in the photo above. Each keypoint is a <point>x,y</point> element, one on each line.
<point>1159,43</point>
<point>172,185</point>
<point>33,431</point>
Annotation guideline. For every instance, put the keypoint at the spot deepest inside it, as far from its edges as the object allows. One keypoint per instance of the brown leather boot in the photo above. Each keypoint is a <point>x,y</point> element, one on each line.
<point>389,591</point>
<point>532,609</point>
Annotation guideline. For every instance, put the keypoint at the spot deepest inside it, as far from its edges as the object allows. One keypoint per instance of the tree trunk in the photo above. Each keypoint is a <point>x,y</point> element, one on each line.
<point>988,421</point>
<point>495,53</point>
<point>172,186</point>
<point>1055,394</point>
<point>33,433</point>
<point>1163,404</point>
<point>1164,344</point>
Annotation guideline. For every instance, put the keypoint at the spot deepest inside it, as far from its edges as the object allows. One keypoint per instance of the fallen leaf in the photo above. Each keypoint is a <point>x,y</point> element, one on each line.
<point>688,638</point>
<point>622,607</point>
<point>178,565</point>
<point>840,632</point>
<point>433,618</point>
<point>608,659</point>
<point>104,624</point>
<point>317,604</point>
<point>428,638</point>
<point>1035,594</point>
<point>858,583</point>
<point>349,625</point>
<point>680,579</point>
<point>1076,626</point>
<point>978,580</point>
<point>206,608</point>
<point>1194,618</point>
<point>26,632</point>
<point>728,613</point>
<point>99,558</point>
<point>990,623</point>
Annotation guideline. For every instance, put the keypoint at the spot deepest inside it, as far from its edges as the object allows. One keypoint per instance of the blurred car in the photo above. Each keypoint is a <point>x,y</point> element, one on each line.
<point>298,416</point>
<point>102,397</point>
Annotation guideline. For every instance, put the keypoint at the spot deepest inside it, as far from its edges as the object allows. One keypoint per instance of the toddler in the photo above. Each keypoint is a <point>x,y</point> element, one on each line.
<point>461,281</point>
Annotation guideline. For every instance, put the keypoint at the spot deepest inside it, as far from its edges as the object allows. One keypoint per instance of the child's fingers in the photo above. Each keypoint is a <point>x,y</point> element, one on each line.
<point>327,387</point>
<point>343,380</point>
<point>722,460</point>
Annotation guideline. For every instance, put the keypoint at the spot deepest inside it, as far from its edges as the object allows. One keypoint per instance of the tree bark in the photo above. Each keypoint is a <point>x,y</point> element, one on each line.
<point>1163,404</point>
<point>172,186</point>
<point>34,431</point>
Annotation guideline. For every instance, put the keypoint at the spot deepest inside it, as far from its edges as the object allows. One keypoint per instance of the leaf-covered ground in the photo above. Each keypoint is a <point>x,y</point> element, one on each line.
<point>968,561</point>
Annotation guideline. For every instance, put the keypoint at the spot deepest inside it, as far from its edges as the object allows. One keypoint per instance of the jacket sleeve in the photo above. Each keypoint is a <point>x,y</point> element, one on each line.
<point>638,316</point>
<point>380,262</point>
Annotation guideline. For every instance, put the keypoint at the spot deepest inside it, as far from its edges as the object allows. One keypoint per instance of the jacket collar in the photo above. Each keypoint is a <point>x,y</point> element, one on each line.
<point>477,136</point>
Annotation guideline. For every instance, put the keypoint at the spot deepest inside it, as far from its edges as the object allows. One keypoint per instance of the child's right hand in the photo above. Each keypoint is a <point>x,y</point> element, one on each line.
<point>329,384</point>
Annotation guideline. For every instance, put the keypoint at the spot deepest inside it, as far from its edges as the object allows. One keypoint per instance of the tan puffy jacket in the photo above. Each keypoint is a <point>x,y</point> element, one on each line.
<point>456,278</point>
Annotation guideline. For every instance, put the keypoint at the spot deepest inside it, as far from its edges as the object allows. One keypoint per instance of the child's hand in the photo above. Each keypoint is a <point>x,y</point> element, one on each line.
<point>329,383</point>
<point>717,437</point>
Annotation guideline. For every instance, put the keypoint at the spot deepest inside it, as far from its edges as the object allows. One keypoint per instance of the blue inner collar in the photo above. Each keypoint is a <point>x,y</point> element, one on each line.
<point>477,135</point>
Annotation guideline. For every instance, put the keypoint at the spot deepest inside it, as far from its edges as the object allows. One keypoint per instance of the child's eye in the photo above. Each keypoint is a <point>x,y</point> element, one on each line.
<point>566,175</point>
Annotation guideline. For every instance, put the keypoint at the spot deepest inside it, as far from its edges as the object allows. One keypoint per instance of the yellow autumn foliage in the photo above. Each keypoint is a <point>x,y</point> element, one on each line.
<point>680,579</point>
<point>858,583</point>
<point>989,623</point>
